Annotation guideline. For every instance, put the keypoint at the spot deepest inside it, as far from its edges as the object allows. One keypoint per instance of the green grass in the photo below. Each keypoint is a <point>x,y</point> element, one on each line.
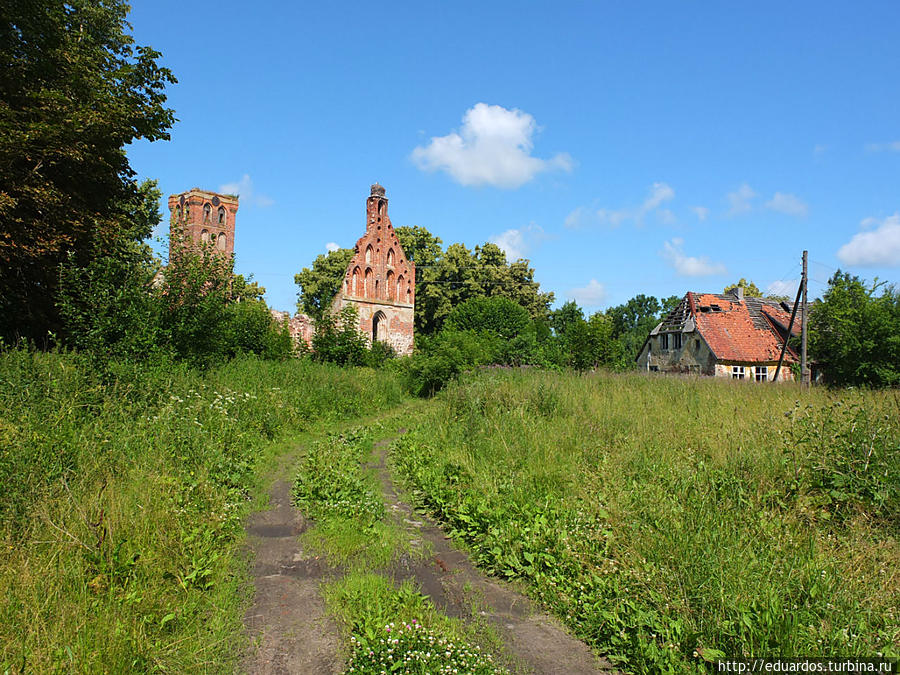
<point>669,521</point>
<point>123,497</point>
<point>386,625</point>
<point>395,628</point>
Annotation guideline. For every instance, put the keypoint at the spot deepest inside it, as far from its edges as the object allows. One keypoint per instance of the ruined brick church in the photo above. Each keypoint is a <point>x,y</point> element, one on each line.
<point>379,282</point>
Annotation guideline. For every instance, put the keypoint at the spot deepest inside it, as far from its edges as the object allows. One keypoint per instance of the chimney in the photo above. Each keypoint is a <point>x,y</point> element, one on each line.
<point>738,292</point>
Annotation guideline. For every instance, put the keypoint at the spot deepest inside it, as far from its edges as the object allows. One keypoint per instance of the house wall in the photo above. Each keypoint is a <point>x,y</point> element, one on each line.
<point>694,356</point>
<point>726,370</point>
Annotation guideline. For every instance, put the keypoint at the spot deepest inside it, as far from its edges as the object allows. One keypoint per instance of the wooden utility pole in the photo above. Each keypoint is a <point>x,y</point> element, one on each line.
<point>790,329</point>
<point>804,366</point>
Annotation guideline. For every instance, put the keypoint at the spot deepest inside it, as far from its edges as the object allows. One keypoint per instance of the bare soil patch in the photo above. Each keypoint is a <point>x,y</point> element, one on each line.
<point>288,627</point>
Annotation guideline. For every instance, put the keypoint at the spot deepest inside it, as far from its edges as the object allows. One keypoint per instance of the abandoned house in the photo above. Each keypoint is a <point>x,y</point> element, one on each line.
<point>724,335</point>
<point>380,281</point>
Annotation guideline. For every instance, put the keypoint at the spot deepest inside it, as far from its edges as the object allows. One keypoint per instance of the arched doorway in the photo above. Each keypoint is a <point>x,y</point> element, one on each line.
<point>379,327</point>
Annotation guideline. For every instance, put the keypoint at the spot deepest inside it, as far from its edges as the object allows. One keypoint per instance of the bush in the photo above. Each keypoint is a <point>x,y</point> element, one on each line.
<point>250,328</point>
<point>446,355</point>
<point>500,316</point>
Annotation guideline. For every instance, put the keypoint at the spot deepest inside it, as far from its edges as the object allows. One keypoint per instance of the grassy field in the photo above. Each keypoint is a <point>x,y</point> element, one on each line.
<point>671,521</point>
<point>387,623</point>
<point>124,490</point>
<point>667,521</point>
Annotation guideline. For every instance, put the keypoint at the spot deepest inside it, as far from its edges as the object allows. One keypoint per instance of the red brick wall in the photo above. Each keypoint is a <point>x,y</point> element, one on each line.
<point>197,213</point>
<point>380,280</point>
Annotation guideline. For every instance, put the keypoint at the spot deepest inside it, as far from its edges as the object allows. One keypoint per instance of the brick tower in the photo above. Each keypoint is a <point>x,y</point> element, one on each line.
<point>380,280</point>
<point>205,218</point>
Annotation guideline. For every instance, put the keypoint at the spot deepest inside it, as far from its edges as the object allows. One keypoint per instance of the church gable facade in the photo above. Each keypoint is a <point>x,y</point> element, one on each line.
<point>380,280</point>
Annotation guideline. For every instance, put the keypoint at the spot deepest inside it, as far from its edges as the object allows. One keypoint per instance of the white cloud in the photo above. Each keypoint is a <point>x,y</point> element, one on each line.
<point>493,147</point>
<point>701,212</point>
<point>516,243</point>
<point>591,295</point>
<point>893,146</point>
<point>740,200</point>
<point>875,247</point>
<point>245,190</point>
<point>788,288</point>
<point>659,194</point>
<point>819,149</point>
<point>689,266</point>
<point>331,247</point>
<point>666,217</point>
<point>790,204</point>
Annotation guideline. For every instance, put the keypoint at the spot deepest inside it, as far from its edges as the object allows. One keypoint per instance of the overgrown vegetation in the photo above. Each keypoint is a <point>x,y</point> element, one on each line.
<point>123,498</point>
<point>388,626</point>
<point>671,521</point>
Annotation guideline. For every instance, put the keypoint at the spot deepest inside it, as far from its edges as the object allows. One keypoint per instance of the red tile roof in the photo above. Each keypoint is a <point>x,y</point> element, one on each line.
<point>743,331</point>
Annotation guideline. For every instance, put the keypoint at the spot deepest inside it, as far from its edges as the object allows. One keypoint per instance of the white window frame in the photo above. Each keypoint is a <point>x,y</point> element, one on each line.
<point>761,373</point>
<point>737,373</point>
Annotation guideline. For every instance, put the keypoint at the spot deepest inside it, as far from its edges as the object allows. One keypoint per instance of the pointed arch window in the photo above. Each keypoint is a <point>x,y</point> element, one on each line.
<point>390,257</point>
<point>221,242</point>
<point>207,212</point>
<point>370,283</point>
<point>368,255</point>
<point>204,236</point>
<point>221,215</point>
<point>391,288</point>
<point>356,283</point>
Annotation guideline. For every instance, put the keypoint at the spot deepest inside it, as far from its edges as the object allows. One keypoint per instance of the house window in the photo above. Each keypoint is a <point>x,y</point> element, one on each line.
<point>762,373</point>
<point>737,372</point>
<point>664,342</point>
<point>206,212</point>
<point>221,215</point>
<point>676,340</point>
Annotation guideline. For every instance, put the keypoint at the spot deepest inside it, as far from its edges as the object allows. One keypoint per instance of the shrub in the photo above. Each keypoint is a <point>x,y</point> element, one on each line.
<point>500,316</point>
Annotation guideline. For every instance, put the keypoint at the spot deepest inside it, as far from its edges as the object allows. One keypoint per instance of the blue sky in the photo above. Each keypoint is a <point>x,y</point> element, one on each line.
<point>623,148</point>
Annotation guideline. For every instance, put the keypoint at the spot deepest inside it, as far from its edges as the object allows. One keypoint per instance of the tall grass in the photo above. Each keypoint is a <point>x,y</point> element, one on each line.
<point>672,521</point>
<point>123,492</point>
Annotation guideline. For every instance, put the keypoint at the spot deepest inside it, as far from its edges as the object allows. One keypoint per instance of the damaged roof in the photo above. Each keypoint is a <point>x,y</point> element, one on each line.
<point>747,330</point>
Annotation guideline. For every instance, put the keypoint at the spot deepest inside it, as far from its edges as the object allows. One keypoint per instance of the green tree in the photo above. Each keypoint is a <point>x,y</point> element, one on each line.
<point>447,278</point>
<point>562,319</point>
<point>76,90</point>
<point>193,293</point>
<point>108,306</point>
<point>855,333</point>
<point>750,289</point>
<point>319,285</point>
<point>498,315</point>
<point>338,339</point>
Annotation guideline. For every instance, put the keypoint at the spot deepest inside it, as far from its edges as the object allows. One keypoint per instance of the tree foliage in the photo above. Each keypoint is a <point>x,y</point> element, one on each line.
<point>855,333</point>
<point>447,278</point>
<point>76,90</point>
<point>500,316</point>
<point>751,290</point>
<point>319,284</point>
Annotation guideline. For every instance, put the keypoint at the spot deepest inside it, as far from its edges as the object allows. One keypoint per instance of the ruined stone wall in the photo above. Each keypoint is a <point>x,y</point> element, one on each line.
<point>205,218</point>
<point>380,280</point>
<point>300,327</point>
